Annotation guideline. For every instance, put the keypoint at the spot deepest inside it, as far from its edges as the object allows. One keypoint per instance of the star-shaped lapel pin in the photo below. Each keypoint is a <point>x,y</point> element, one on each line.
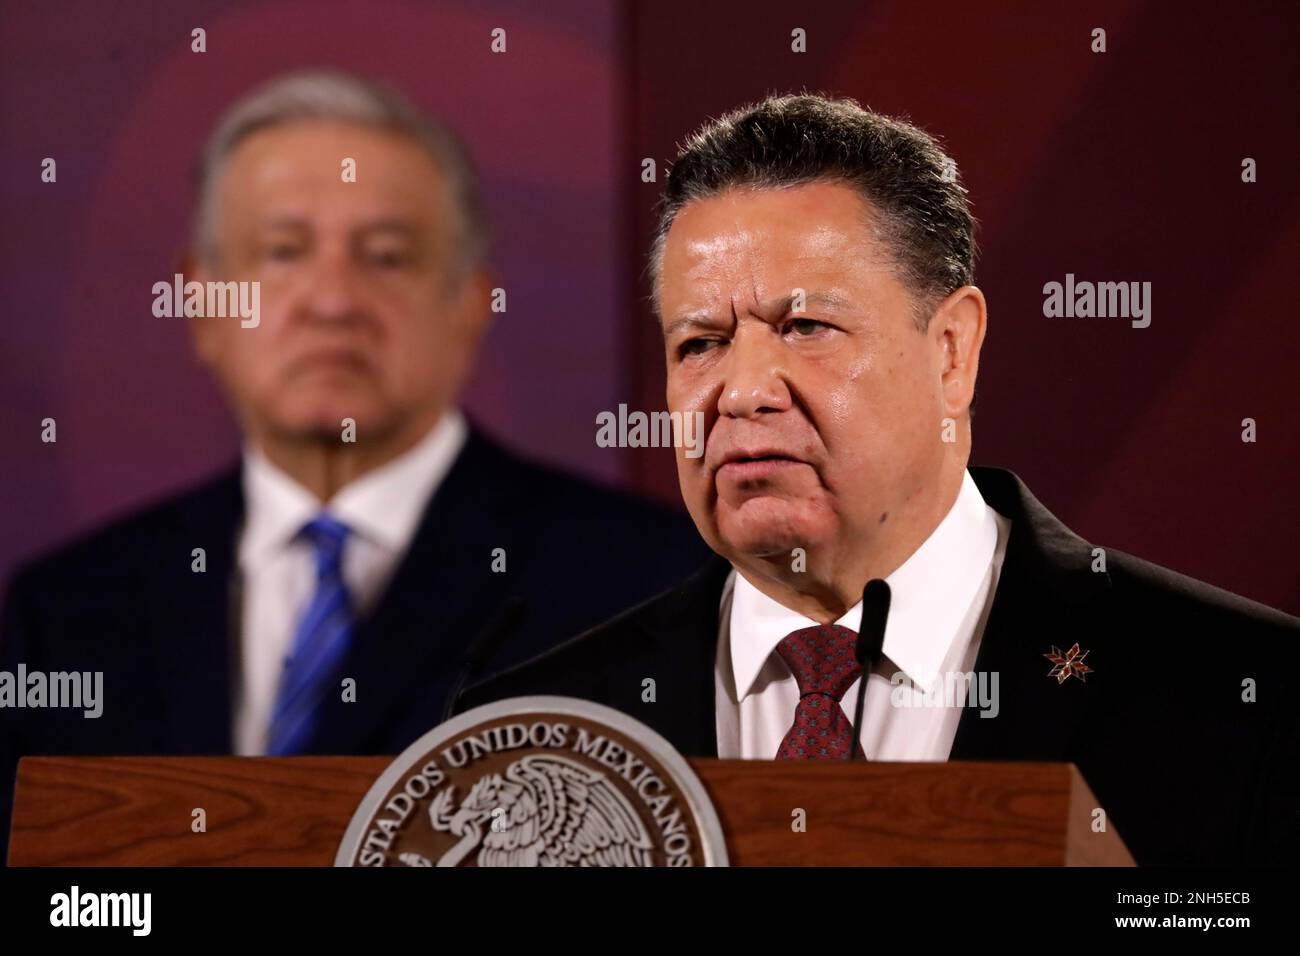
<point>1067,665</point>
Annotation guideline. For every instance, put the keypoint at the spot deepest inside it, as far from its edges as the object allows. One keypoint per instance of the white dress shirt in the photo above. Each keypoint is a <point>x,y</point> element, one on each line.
<point>940,598</point>
<point>382,509</point>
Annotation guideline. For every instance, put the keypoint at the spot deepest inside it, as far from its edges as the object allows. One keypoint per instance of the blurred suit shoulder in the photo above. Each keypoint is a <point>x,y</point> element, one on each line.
<point>110,562</point>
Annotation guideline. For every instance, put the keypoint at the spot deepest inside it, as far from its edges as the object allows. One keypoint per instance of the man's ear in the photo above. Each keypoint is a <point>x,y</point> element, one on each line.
<point>203,333</point>
<point>958,327</point>
<point>472,304</point>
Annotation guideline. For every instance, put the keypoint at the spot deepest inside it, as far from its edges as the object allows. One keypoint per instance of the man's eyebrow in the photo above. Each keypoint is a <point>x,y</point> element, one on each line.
<point>828,298</point>
<point>699,320</point>
<point>775,308</point>
<point>403,226</point>
<point>286,222</point>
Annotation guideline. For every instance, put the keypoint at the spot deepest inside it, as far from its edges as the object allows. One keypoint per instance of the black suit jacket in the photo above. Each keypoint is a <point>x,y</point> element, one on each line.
<point>125,601</point>
<point>1188,772</point>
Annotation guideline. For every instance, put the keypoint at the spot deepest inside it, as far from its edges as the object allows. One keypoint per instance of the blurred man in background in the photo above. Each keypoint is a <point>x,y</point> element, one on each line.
<point>373,549</point>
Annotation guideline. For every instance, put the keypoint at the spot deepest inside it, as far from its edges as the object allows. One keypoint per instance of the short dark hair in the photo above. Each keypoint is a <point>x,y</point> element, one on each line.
<point>900,170</point>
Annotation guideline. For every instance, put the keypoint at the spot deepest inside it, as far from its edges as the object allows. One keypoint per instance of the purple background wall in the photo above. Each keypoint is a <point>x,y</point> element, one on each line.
<point>1118,166</point>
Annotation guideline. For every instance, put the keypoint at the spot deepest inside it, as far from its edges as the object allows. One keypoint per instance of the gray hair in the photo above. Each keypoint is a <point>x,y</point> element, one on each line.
<point>337,96</point>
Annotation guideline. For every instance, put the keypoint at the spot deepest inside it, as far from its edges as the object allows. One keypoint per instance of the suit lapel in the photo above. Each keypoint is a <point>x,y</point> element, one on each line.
<point>407,652</point>
<point>1047,596</point>
<point>681,642</point>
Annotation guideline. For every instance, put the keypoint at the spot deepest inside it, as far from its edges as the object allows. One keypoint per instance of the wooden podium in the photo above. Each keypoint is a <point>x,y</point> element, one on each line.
<point>292,811</point>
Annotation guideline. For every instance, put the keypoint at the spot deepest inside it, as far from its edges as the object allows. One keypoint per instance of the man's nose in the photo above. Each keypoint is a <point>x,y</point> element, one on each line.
<point>753,380</point>
<point>333,292</point>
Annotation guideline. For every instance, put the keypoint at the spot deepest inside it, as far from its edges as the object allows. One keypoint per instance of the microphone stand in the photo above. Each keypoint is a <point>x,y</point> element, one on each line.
<point>871,638</point>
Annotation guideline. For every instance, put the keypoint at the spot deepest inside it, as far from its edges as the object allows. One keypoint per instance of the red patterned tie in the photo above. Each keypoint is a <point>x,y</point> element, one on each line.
<point>821,659</point>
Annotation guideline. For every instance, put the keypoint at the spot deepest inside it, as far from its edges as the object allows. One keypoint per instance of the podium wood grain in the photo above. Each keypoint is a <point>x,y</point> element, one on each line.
<point>272,811</point>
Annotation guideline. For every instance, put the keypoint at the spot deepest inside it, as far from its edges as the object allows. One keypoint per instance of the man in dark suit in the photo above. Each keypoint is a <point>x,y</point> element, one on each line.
<point>373,550</point>
<point>813,275</point>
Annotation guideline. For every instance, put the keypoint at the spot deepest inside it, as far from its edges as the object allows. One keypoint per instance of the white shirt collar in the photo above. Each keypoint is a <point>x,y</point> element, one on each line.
<point>930,594</point>
<point>384,505</point>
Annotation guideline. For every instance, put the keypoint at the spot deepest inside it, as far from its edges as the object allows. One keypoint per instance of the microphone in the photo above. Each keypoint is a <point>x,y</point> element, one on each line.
<point>481,649</point>
<point>871,638</point>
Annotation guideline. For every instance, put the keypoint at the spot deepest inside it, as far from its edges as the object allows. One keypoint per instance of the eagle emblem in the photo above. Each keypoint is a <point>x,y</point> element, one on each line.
<point>544,810</point>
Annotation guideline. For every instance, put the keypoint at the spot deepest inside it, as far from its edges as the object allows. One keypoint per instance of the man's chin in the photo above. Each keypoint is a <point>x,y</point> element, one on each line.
<point>767,532</point>
<point>332,427</point>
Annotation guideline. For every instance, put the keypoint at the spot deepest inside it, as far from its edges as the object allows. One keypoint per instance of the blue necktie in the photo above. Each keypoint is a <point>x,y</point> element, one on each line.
<point>319,645</point>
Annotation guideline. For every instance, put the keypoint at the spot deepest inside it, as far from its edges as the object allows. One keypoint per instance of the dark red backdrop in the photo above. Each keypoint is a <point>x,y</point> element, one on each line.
<point>1117,166</point>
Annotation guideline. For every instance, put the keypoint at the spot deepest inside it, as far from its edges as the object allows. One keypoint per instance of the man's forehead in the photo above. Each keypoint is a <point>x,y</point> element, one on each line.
<point>813,230</point>
<point>743,216</point>
<point>323,143</point>
<point>788,266</point>
<point>285,164</point>
<point>277,185</point>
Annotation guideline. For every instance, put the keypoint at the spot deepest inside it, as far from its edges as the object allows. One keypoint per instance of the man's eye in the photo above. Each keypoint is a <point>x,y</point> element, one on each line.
<point>805,326</point>
<point>696,346</point>
<point>388,258</point>
<point>283,252</point>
